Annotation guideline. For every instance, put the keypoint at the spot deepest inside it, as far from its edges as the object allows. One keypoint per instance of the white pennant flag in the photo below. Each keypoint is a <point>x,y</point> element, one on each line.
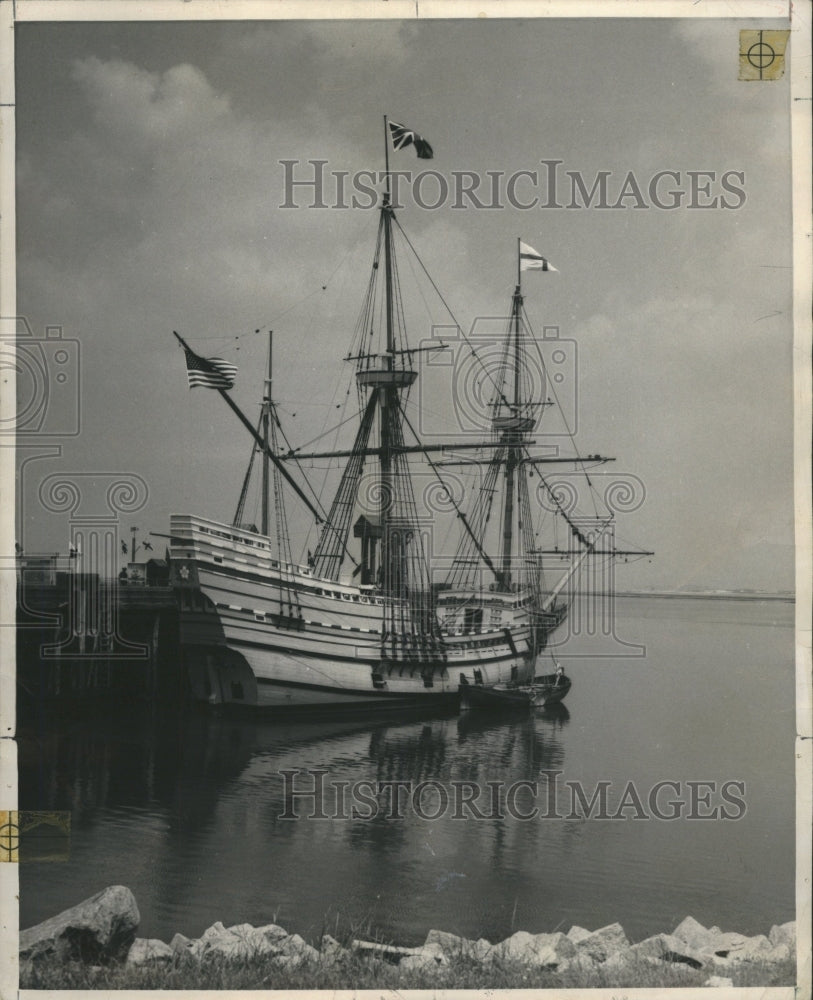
<point>530,260</point>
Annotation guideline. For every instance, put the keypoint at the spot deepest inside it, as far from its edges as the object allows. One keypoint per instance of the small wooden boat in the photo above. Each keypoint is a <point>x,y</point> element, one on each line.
<point>546,690</point>
<point>550,689</point>
<point>496,697</point>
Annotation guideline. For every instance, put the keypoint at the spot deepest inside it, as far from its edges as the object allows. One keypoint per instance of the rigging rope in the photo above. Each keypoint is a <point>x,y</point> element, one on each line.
<point>484,555</point>
<point>448,309</point>
<point>241,503</point>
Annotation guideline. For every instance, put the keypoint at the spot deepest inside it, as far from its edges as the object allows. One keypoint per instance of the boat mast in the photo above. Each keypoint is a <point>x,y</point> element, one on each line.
<point>388,394</point>
<point>266,425</point>
<point>255,433</point>
<point>512,437</point>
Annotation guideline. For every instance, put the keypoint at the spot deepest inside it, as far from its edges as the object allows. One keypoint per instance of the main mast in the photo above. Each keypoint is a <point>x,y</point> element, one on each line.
<point>266,428</point>
<point>389,394</point>
<point>385,381</point>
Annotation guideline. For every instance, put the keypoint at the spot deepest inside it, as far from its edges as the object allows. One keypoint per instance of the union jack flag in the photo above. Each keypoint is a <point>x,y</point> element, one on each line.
<point>403,137</point>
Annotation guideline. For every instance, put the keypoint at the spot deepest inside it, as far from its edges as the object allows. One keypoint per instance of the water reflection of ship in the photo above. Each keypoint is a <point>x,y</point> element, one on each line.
<point>193,787</point>
<point>417,754</point>
<point>89,762</point>
<point>138,759</point>
<point>512,749</point>
<point>552,717</point>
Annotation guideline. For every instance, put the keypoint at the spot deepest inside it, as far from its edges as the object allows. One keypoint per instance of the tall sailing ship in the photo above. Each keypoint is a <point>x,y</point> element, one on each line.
<point>367,620</point>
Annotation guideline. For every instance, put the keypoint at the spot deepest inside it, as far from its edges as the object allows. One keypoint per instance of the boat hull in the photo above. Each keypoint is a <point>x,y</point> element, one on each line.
<point>543,693</point>
<point>224,677</point>
<point>255,632</point>
<point>550,690</point>
<point>271,677</point>
<point>495,699</point>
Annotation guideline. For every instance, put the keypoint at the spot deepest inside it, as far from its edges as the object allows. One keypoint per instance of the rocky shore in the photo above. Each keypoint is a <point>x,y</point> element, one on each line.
<point>98,938</point>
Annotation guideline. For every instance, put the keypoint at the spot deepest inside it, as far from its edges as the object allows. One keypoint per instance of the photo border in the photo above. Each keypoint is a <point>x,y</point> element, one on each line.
<point>26,11</point>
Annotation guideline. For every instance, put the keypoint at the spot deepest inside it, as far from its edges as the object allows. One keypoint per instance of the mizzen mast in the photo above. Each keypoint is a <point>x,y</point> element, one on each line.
<point>266,426</point>
<point>514,427</point>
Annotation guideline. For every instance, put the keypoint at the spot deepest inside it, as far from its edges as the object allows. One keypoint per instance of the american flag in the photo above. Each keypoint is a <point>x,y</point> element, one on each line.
<point>212,373</point>
<point>403,137</point>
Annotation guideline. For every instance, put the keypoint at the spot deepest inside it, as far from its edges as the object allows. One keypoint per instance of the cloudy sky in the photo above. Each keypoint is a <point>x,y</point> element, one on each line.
<point>149,192</point>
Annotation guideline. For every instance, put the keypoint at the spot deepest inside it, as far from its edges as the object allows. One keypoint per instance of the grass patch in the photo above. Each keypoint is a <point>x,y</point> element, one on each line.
<point>355,972</point>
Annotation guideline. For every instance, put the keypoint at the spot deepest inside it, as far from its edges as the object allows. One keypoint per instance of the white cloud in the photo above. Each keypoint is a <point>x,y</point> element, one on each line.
<point>157,209</point>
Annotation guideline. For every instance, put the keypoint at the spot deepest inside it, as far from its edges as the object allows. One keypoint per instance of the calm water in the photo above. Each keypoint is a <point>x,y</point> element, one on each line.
<point>186,813</point>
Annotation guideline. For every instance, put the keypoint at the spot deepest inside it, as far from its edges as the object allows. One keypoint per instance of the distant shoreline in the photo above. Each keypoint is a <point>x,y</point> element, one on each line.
<point>706,595</point>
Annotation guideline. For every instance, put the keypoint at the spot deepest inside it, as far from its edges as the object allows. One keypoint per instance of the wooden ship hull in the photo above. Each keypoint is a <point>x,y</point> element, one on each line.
<point>257,632</point>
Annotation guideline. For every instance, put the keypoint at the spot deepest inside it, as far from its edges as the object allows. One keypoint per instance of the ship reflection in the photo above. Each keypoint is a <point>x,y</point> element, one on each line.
<point>513,748</point>
<point>199,781</point>
<point>139,758</point>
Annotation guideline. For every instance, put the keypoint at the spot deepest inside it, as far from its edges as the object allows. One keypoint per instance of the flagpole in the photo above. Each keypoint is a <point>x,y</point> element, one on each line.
<point>258,438</point>
<point>519,264</point>
<point>386,161</point>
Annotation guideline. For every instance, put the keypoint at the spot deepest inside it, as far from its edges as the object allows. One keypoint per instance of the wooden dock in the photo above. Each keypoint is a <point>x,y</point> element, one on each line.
<point>80,637</point>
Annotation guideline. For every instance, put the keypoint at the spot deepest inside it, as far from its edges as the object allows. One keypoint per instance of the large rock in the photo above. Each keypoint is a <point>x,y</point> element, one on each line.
<point>577,934</point>
<point>784,934</point>
<point>695,935</point>
<point>182,946</point>
<point>331,950</point>
<point>621,959</point>
<point>145,951</point>
<point>517,948</point>
<point>242,941</point>
<point>724,948</point>
<point>753,949</point>
<point>580,963</point>
<point>603,943</point>
<point>725,942</point>
<point>273,932</point>
<point>451,944</point>
<point>778,953</point>
<point>667,948</point>
<point>97,930</point>
<point>454,946</point>
<point>294,950</point>
<point>731,949</point>
<point>482,950</point>
<point>212,934</point>
<point>541,950</point>
<point>554,948</point>
<point>430,956</point>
